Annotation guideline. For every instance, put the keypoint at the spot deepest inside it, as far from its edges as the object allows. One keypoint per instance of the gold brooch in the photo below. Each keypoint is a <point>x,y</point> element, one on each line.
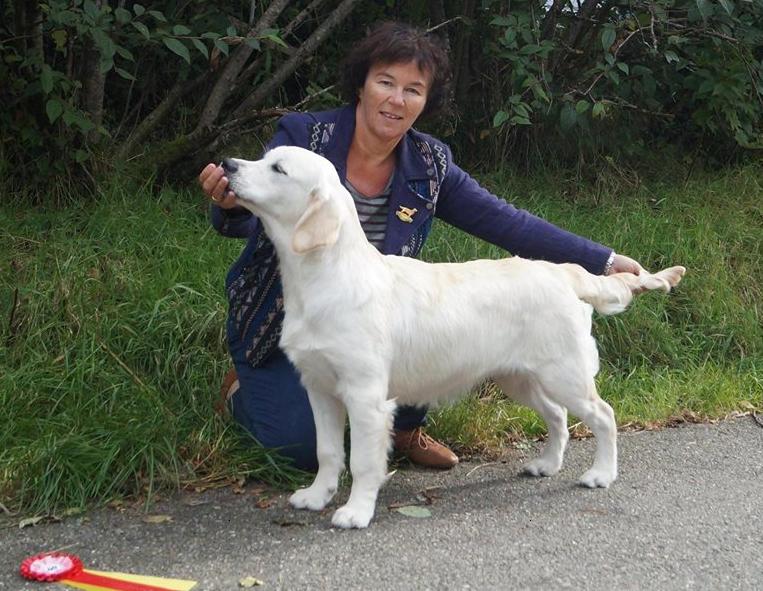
<point>405,214</point>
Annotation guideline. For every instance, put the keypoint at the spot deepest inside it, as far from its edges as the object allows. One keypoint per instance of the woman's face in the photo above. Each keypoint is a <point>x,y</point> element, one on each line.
<point>392,98</point>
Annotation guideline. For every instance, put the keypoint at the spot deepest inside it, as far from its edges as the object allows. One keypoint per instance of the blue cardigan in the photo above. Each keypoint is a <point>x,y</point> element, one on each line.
<point>425,179</point>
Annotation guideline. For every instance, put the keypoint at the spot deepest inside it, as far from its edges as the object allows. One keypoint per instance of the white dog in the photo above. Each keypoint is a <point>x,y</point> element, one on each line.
<point>367,331</point>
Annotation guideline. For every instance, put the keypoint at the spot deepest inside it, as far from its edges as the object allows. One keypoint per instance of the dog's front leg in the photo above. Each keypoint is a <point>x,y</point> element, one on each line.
<point>329,415</point>
<point>370,440</point>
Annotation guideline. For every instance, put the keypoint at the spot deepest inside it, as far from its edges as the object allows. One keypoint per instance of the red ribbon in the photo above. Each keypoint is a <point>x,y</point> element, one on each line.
<point>76,573</point>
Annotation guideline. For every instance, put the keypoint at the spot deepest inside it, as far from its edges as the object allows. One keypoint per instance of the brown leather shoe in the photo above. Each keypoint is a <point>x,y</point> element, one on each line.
<point>421,449</point>
<point>227,389</point>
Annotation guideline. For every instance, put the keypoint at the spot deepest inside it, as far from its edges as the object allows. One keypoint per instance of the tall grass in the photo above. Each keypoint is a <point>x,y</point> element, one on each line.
<point>112,332</point>
<point>113,351</point>
<point>698,350</point>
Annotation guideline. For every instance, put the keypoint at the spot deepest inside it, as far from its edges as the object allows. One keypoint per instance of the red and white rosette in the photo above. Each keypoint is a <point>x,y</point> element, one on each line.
<point>51,566</point>
<point>68,569</point>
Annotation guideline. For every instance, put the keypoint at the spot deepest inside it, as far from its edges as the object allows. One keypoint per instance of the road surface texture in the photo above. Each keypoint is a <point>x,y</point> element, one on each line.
<point>685,513</point>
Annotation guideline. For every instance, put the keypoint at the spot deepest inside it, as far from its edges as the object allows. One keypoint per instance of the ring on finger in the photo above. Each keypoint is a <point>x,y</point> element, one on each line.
<point>216,199</point>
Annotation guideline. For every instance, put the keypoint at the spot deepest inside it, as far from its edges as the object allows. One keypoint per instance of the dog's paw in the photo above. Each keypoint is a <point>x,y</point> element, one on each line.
<point>541,467</point>
<point>595,478</point>
<point>351,517</point>
<point>312,498</point>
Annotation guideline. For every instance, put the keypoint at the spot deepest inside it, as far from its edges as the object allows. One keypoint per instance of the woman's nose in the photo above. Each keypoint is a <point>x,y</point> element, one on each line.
<point>397,97</point>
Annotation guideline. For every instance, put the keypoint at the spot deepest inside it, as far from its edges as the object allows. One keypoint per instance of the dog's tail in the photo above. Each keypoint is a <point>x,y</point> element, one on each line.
<point>613,293</point>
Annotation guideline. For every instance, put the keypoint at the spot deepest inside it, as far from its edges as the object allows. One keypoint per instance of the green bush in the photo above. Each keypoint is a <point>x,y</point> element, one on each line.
<point>626,75</point>
<point>90,86</point>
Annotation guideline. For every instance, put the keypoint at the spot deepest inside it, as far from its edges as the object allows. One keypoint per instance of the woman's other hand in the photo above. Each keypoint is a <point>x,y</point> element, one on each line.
<point>624,264</point>
<point>215,186</point>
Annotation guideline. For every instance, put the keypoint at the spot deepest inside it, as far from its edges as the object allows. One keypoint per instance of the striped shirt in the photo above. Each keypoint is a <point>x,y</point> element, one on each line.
<point>372,212</point>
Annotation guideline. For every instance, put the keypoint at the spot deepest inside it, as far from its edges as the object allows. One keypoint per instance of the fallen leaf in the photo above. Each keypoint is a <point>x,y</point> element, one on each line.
<point>429,495</point>
<point>257,490</point>
<point>250,582</point>
<point>238,484</point>
<point>191,501</point>
<point>264,503</point>
<point>157,519</point>
<point>30,521</point>
<point>580,431</point>
<point>414,511</point>
<point>71,511</point>
<point>393,506</point>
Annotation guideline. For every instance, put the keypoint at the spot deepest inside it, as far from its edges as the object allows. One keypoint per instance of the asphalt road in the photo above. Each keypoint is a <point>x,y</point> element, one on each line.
<point>685,513</point>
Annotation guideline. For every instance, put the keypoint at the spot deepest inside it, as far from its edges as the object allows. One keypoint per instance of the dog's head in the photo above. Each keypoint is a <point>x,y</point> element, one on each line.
<point>294,192</point>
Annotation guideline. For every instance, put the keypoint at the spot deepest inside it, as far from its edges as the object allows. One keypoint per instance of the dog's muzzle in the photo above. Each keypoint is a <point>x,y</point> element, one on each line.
<point>229,165</point>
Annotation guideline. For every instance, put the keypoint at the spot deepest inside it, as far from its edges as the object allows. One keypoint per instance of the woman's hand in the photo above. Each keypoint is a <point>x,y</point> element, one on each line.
<point>215,186</point>
<point>624,264</point>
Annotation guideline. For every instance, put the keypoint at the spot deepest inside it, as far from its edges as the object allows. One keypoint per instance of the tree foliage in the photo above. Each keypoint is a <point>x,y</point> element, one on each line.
<point>638,70</point>
<point>87,84</point>
<point>158,83</point>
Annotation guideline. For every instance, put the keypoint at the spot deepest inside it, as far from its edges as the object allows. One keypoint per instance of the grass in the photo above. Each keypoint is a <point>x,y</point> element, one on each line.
<point>112,339</point>
<point>696,352</point>
<point>113,351</point>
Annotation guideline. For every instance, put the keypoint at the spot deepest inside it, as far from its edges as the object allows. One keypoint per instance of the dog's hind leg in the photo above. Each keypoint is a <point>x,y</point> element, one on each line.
<point>370,440</point>
<point>571,388</point>
<point>528,392</point>
<point>329,415</point>
<point>601,420</point>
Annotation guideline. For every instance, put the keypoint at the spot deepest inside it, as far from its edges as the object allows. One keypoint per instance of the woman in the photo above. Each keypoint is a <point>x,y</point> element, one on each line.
<point>399,179</point>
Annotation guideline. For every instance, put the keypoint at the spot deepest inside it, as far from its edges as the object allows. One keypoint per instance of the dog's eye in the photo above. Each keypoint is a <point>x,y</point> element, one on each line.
<point>277,168</point>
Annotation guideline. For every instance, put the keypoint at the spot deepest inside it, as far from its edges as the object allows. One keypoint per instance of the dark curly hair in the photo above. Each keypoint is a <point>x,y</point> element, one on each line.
<point>394,43</point>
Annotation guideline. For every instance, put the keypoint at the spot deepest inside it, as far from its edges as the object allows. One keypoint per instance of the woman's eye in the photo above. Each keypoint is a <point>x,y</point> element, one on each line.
<point>414,91</point>
<point>277,168</point>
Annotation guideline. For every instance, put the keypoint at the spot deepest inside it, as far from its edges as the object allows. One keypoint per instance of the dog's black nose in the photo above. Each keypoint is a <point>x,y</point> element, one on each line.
<point>229,165</point>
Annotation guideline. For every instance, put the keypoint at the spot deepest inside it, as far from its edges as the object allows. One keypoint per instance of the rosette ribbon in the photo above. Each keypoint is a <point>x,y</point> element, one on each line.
<point>61,567</point>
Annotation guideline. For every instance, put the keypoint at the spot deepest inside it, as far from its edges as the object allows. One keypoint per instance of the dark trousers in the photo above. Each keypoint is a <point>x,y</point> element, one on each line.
<point>273,406</point>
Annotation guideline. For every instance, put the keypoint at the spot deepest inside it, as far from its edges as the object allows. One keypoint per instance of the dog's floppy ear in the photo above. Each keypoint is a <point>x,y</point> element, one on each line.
<point>319,225</point>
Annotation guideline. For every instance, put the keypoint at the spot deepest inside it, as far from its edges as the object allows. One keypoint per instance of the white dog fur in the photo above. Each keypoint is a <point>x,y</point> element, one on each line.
<point>368,331</point>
